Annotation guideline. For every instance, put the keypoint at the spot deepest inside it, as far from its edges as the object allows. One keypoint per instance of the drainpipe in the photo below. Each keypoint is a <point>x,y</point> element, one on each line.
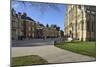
<point>76,23</point>
<point>82,24</point>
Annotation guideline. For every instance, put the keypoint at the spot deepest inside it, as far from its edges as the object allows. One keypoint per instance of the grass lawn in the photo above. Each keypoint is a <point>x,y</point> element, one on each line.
<point>85,48</point>
<point>27,60</point>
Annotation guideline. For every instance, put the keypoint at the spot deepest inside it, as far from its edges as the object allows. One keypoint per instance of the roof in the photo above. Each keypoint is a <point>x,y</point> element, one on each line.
<point>27,18</point>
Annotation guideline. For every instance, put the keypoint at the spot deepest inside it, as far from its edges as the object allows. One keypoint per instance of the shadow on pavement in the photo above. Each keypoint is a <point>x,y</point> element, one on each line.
<point>32,44</point>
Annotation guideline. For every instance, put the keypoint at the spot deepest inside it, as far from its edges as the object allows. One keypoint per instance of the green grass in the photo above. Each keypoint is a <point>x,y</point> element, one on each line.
<point>85,48</point>
<point>27,60</point>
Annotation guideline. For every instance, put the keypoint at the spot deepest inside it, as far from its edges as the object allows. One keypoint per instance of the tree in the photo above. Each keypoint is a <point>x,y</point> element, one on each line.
<point>47,25</point>
<point>58,28</point>
<point>53,25</point>
<point>62,33</point>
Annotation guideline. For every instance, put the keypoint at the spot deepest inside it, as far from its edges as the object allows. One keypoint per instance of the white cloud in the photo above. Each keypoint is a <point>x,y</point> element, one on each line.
<point>15,5</point>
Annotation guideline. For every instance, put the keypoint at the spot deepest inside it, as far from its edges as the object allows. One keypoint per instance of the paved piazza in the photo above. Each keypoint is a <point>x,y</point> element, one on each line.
<point>46,50</point>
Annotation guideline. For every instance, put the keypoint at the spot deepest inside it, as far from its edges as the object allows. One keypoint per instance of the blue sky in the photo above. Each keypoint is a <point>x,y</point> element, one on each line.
<point>50,15</point>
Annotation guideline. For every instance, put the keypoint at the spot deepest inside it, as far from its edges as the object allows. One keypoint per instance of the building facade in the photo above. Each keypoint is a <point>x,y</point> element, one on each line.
<point>50,32</point>
<point>14,25</point>
<point>24,27</point>
<point>80,22</point>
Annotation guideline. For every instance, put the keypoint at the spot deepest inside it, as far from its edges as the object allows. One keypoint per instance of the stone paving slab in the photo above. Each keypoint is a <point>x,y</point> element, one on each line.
<point>50,53</point>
